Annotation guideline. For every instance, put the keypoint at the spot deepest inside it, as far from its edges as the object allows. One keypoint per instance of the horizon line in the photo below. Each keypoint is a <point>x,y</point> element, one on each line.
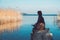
<point>37,15</point>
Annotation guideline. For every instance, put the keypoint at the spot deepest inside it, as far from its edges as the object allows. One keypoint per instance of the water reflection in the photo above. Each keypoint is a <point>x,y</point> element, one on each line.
<point>9,26</point>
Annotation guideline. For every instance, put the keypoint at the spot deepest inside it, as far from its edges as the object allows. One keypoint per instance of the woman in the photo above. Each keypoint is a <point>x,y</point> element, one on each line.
<point>40,20</point>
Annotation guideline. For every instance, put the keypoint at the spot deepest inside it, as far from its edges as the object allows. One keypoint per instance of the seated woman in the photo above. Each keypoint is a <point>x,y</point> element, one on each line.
<point>41,33</point>
<point>40,20</point>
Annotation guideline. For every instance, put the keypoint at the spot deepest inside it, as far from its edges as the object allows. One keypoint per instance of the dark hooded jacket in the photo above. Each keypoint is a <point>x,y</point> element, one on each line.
<point>40,18</point>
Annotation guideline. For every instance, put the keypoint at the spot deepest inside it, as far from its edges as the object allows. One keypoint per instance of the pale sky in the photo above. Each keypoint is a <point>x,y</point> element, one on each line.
<point>32,6</point>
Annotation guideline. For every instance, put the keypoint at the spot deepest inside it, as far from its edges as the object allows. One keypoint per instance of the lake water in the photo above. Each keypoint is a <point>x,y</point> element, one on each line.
<point>24,32</point>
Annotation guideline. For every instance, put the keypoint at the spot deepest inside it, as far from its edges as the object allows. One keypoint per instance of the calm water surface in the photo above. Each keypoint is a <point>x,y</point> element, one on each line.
<point>23,33</point>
